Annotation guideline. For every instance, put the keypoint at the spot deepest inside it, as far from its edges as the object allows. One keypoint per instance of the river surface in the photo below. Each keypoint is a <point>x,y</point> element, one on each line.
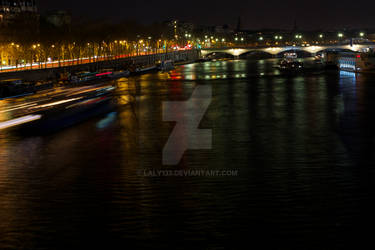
<point>298,152</point>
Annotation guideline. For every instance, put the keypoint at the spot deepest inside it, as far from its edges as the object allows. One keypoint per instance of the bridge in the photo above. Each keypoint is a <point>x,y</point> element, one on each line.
<point>312,49</point>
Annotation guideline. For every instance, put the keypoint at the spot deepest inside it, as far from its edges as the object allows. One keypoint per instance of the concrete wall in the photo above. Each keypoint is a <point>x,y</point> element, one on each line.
<point>52,73</point>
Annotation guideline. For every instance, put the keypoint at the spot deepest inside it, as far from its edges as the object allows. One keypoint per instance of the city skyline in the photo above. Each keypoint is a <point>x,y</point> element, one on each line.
<point>258,15</point>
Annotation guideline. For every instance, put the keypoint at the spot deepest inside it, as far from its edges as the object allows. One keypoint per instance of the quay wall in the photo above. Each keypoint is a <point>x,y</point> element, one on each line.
<point>116,64</point>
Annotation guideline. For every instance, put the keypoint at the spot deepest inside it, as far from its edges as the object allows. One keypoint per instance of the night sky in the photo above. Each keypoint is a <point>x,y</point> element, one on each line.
<point>317,14</point>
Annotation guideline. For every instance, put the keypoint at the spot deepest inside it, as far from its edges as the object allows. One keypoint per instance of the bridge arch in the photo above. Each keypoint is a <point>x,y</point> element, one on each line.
<point>336,50</point>
<point>232,51</point>
<point>255,53</point>
<point>214,53</point>
<point>298,51</point>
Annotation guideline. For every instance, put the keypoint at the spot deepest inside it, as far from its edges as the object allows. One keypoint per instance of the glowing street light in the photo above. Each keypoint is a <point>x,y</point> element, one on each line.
<point>340,35</point>
<point>261,38</point>
<point>321,36</point>
<point>362,34</point>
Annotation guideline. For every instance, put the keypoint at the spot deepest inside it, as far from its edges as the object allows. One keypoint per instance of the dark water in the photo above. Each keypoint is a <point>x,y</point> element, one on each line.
<point>303,147</point>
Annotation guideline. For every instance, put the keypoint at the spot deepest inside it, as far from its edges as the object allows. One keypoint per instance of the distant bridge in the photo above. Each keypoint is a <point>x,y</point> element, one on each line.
<point>312,49</point>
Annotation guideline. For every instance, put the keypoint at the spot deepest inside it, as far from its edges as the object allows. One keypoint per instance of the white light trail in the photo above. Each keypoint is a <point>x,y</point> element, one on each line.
<point>57,103</point>
<point>19,121</point>
<point>18,107</point>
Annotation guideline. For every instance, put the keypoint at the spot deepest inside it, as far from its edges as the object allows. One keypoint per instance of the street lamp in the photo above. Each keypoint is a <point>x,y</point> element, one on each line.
<point>261,38</point>
<point>340,35</point>
<point>362,34</point>
<point>33,53</point>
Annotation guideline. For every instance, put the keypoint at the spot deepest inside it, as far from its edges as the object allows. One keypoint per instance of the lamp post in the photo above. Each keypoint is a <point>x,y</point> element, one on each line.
<point>32,56</point>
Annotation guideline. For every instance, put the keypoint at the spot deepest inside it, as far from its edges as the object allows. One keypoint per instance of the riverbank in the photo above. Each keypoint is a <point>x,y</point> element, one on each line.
<point>117,64</point>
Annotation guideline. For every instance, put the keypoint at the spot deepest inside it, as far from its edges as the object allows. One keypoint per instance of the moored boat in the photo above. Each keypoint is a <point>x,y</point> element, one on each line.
<point>166,65</point>
<point>119,74</point>
<point>12,88</point>
<point>104,73</point>
<point>60,110</point>
<point>83,77</point>
<point>144,69</point>
<point>356,62</point>
<point>290,63</point>
<point>290,66</point>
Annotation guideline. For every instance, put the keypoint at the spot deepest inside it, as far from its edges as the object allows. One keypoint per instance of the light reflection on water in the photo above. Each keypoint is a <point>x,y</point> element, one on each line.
<point>303,146</point>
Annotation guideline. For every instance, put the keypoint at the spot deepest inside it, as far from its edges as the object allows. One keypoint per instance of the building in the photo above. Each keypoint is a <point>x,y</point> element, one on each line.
<point>18,18</point>
<point>12,10</point>
<point>371,37</point>
<point>179,28</point>
<point>224,29</point>
<point>59,18</point>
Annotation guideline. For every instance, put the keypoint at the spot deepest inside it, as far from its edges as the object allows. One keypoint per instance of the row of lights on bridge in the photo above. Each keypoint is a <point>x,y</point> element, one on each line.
<point>340,35</point>
<point>298,36</point>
